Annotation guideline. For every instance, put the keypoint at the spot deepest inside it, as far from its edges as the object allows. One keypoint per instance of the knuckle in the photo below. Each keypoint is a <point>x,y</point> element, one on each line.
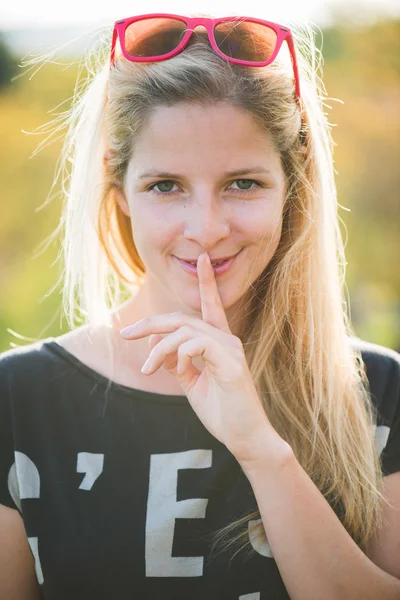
<point>182,351</point>
<point>186,330</point>
<point>178,313</point>
<point>237,342</point>
<point>238,350</point>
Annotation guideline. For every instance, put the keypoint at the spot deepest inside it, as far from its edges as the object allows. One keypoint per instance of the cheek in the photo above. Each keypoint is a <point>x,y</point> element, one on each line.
<point>152,231</point>
<point>263,227</point>
<point>264,237</point>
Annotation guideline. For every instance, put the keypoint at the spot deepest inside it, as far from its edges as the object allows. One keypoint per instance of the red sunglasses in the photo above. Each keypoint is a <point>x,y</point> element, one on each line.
<point>240,40</point>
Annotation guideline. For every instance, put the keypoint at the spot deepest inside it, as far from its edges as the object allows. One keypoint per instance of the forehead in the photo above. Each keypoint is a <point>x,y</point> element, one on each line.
<point>193,135</point>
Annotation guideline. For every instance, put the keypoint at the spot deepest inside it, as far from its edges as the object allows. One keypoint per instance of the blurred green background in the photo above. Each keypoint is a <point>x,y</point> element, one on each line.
<point>362,69</point>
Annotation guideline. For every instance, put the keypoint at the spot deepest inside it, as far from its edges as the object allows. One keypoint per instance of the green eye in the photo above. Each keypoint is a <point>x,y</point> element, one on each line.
<point>252,183</point>
<point>161,183</point>
<point>248,181</point>
<point>252,186</point>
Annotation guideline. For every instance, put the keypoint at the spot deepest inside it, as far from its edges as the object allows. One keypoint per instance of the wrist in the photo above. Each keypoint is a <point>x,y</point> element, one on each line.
<point>270,453</point>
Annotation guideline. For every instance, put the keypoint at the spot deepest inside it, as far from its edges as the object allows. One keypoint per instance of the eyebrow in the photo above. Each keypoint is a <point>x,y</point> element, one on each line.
<point>236,173</point>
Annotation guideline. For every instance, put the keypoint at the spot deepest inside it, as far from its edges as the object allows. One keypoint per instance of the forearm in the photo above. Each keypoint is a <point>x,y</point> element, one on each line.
<point>315,555</point>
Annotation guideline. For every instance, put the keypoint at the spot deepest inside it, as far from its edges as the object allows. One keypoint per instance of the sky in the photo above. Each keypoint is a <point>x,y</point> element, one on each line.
<point>47,13</point>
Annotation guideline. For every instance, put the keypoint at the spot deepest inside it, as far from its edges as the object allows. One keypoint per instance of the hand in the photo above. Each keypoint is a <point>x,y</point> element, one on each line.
<point>223,394</point>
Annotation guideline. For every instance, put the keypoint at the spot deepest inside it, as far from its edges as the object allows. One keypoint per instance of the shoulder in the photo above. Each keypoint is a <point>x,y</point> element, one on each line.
<point>16,360</point>
<point>48,368</point>
<point>377,355</point>
<point>382,368</point>
<point>39,356</point>
<point>26,371</point>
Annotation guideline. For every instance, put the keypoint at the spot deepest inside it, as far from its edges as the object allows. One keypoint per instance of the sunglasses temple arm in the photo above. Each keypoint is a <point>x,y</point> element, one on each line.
<point>289,40</point>
<point>292,51</point>
<point>113,42</point>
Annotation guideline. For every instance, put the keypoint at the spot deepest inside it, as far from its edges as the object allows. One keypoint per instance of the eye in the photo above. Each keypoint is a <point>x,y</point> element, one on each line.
<point>250,186</point>
<point>161,183</point>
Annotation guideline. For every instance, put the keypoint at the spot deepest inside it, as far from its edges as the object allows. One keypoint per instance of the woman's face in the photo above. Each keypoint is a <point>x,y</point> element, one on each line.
<point>202,178</point>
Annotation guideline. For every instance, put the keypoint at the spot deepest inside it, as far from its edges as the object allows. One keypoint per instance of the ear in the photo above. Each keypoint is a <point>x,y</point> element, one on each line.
<point>107,156</point>
<point>121,200</point>
<point>304,150</point>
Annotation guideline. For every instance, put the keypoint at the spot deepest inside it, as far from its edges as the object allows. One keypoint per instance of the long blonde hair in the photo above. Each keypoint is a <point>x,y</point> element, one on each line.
<point>308,373</point>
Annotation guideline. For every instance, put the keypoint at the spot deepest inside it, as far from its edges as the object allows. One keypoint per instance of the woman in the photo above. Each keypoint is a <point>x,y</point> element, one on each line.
<point>261,427</point>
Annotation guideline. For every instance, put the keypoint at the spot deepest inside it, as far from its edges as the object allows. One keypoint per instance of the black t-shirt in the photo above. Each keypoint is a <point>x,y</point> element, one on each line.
<point>120,490</point>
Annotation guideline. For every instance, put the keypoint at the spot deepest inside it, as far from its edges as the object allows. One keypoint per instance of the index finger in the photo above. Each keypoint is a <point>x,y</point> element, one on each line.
<point>212,308</point>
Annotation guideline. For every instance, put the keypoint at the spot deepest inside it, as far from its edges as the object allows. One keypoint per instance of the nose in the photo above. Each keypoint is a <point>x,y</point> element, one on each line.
<point>207,222</point>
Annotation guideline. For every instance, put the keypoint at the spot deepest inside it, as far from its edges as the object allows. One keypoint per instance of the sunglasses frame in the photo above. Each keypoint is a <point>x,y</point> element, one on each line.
<point>283,34</point>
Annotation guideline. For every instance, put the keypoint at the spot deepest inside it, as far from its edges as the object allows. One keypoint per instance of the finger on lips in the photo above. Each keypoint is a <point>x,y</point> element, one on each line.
<point>211,306</point>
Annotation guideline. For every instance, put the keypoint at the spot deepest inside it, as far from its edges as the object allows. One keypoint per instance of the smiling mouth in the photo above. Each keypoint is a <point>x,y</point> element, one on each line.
<point>214,263</point>
<point>219,269</point>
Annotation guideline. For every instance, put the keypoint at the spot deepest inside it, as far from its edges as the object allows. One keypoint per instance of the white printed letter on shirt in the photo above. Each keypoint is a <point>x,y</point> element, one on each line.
<point>163,508</point>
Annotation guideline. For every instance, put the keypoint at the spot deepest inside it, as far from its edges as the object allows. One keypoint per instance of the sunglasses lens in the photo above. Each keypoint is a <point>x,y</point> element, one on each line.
<point>153,37</point>
<point>245,40</point>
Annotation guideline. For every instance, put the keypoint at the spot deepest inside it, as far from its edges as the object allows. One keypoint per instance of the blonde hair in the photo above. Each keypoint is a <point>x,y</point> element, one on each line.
<point>309,375</point>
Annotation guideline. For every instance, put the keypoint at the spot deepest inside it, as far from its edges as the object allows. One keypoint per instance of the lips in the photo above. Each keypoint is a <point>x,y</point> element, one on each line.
<point>213,261</point>
<point>219,270</point>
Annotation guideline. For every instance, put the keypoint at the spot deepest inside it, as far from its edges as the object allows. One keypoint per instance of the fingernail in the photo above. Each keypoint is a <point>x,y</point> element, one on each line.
<point>146,367</point>
<point>127,330</point>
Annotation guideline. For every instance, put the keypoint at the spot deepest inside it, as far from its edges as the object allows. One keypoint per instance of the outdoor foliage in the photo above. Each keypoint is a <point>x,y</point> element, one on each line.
<point>8,64</point>
<point>361,69</point>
